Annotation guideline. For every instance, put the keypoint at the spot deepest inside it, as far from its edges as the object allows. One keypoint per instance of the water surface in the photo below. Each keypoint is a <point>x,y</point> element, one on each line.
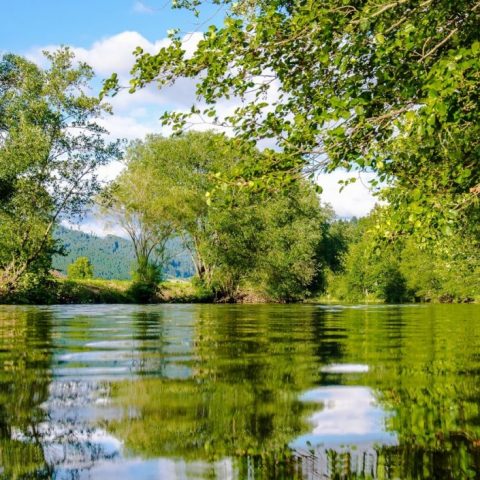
<point>239,392</point>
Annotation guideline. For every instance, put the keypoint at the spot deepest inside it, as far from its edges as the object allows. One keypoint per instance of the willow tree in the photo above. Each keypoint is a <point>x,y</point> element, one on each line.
<point>390,86</point>
<point>50,147</point>
<point>162,193</point>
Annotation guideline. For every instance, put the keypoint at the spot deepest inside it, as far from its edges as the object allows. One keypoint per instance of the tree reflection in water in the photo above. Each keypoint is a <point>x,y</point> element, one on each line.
<point>254,392</point>
<point>25,376</point>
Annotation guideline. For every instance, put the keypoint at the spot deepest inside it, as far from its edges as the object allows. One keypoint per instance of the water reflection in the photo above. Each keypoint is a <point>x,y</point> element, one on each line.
<point>25,356</point>
<point>183,392</point>
<point>350,415</point>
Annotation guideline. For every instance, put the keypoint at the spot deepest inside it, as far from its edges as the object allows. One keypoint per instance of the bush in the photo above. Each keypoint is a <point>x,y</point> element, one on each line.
<point>143,292</point>
<point>146,278</point>
<point>80,268</point>
<point>33,288</point>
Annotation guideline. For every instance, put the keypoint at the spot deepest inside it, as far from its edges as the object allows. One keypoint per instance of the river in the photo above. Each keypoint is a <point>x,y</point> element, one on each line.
<point>239,392</point>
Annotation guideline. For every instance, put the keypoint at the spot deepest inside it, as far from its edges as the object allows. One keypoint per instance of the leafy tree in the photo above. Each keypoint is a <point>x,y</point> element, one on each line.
<point>80,268</point>
<point>131,201</point>
<point>405,270</point>
<point>450,272</point>
<point>269,243</point>
<point>235,236</point>
<point>388,86</point>
<point>165,187</point>
<point>50,148</point>
<point>136,202</point>
<point>180,172</point>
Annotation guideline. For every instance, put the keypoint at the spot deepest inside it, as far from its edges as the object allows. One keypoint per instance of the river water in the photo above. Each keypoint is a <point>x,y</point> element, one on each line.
<point>239,392</point>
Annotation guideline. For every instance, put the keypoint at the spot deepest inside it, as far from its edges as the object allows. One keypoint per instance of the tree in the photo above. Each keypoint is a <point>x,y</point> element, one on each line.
<point>270,242</point>
<point>289,267</point>
<point>450,272</point>
<point>381,85</point>
<point>235,236</point>
<point>165,185</point>
<point>80,268</point>
<point>132,201</point>
<point>50,148</point>
<point>404,269</point>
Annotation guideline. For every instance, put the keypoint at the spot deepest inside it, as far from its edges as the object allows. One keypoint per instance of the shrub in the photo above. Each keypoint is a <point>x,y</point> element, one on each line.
<point>146,278</point>
<point>80,268</point>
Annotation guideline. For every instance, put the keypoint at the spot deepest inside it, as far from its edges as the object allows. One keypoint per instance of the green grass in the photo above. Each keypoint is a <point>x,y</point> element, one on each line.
<point>93,291</point>
<point>117,291</point>
<point>332,299</point>
<point>183,291</point>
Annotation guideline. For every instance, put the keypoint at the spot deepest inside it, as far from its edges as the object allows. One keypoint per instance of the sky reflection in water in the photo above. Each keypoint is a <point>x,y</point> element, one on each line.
<point>183,392</point>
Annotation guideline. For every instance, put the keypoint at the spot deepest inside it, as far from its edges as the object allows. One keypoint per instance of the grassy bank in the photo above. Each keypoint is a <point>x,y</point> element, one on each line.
<point>119,291</point>
<point>65,291</point>
<point>85,291</point>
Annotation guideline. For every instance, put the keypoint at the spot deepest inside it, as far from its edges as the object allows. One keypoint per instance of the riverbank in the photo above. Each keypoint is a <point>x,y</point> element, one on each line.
<point>88,291</point>
<point>97,291</point>
<point>120,291</point>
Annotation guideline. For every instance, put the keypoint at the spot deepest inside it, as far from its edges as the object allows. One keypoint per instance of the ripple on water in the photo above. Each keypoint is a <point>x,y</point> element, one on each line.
<point>201,391</point>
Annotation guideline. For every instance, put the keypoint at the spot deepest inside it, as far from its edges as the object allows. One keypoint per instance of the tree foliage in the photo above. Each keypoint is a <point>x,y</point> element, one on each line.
<point>385,85</point>
<point>166,182</point>
<point>406,270</point>
<point>272,243</point>
<point>130,202</point>
<point>235,237</point>
<point>80,268</point>
<point>50,147</point>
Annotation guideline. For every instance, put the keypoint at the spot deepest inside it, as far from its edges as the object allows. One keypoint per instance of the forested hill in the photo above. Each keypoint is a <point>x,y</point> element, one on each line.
<point>112,257</point>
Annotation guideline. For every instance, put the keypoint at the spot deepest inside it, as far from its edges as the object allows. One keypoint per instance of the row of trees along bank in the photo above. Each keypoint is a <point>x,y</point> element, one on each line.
<point>273,243</point>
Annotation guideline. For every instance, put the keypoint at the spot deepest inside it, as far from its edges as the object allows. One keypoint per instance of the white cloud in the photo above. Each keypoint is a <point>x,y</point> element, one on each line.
<point>115,53</point>
<point>130,127</point>
<point>137,115</point>
<point>355,200</point>
<point>109,172</point>
<point>140,7</point>
<point>96,226</point>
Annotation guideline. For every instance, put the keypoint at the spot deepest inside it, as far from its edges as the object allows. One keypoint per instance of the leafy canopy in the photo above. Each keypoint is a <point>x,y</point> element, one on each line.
<point>235,237</point>
<point>50,147</point>
<point>80,268</point>
<point>385,85</point>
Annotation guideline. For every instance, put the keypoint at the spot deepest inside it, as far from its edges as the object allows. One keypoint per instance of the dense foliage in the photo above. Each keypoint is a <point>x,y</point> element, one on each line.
<point>236,238</point>
<point>404,270</point>
<point>374,84</point>
<point>50,148</point>
<point>80,268</point>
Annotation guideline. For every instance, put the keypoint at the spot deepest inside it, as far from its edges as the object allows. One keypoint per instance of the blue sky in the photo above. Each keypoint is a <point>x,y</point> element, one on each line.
<point>104,33</point>
<point>33,23</point>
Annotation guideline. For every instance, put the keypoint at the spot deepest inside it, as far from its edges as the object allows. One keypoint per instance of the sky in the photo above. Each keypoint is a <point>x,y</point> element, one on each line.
<point>104,33</point>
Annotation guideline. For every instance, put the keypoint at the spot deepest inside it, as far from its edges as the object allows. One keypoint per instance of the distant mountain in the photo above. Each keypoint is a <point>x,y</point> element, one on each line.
<point>113,257</point>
